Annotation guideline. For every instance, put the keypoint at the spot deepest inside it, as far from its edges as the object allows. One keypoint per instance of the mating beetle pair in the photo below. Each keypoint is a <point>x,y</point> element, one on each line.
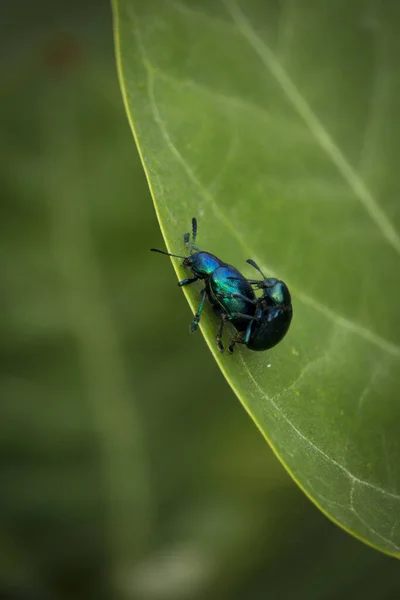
<point>261,322</point>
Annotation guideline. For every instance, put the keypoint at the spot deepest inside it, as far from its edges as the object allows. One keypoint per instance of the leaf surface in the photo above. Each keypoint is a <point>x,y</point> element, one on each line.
<point>276,125</point>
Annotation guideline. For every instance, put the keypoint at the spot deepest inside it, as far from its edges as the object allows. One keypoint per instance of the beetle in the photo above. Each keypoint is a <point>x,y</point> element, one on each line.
<point>272,317</point>
<point>229,292</point>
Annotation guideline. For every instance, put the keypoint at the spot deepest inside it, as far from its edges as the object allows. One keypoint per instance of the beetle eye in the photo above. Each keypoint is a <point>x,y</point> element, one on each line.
<point>271,281</point>
<point>266,283</point>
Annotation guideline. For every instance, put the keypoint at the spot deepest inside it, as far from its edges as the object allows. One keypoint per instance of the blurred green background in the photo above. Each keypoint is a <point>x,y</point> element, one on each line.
<point>106,492</point>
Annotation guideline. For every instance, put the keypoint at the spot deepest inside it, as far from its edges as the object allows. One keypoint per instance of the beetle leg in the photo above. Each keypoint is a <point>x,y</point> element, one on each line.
<point>219,333</point>
<point>239,315</point>
<point>257,317</point>
<point>187,281</point>
<point>231,347</point>
<point>235,340</point>
<point>248,333</point>
<point>236,295</point>
<point>195,323</point>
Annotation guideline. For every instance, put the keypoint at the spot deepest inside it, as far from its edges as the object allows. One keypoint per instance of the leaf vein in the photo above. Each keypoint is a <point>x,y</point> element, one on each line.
<point>321,135</point>
<point>353,478</point>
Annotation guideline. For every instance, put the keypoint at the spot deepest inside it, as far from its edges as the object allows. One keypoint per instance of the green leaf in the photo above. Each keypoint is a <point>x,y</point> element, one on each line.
<point>276,125</point>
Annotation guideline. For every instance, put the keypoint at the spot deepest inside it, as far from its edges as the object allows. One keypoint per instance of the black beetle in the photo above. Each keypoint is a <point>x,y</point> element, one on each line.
<point>272,317</point>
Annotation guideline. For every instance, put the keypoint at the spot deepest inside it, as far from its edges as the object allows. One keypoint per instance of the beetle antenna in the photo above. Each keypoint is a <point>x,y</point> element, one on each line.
<point>166,253</point>
<point>255,265</point>
<point>194,230</point>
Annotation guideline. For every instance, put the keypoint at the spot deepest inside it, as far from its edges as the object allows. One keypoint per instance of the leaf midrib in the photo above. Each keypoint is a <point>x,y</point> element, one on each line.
<point>240,24</point>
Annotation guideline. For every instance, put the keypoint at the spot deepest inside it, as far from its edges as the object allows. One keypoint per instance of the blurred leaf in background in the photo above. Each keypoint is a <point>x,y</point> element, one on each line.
<point>124,474</point>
